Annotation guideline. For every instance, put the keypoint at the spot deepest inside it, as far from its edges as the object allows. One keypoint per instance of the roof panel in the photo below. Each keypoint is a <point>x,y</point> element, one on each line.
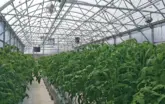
<point>98,18</point>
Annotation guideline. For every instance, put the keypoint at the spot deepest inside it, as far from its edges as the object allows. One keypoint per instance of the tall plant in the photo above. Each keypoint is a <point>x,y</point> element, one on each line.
<point>127,73</point>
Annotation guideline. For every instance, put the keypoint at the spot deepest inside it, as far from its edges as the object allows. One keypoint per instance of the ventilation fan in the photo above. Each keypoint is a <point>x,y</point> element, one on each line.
<point>50,8</point>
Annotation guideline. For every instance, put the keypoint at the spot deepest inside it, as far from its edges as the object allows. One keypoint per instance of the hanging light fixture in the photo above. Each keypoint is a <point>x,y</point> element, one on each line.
<point>51,41</point>
<point>148,19</point>
<point>77,40</point>
<point>50,8</point>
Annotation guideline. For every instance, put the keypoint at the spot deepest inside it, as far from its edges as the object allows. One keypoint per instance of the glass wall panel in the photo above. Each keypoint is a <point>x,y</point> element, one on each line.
<point>148,35</point>
<point>16,42</point>
<point>12,40</point>
<point>7,36</point>
<point>111,41</point>
<point>157,34</point>
<point>137,36</point>
<point>1,44</point>
<point>126,37</point>
<point>163,33</point>
<point>1,30</point>
<point>118,40</point>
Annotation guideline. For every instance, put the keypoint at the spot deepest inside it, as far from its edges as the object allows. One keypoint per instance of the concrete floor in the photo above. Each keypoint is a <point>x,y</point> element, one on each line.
<point>38,94</point>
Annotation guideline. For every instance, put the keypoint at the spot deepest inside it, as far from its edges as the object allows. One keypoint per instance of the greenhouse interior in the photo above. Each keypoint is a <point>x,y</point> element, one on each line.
<point>82,52</point>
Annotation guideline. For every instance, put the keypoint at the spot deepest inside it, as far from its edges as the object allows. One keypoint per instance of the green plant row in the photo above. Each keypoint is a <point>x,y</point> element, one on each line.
<point>127,73</point>
<point>16,72</point>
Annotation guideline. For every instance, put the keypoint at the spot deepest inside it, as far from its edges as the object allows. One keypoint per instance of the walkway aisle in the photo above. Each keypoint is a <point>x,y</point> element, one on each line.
<point>38,94</point>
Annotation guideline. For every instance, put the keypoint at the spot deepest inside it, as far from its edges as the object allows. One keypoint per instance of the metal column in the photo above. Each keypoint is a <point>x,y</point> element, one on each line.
<point>14,40</point>
<point>114,40</point>
<point>4,26</point>
<point>43,49</point>
<point>23,47</point>
<point>152,34</point>
<point>10,33</point>
<point>58,45</point>
<point>130,36</point>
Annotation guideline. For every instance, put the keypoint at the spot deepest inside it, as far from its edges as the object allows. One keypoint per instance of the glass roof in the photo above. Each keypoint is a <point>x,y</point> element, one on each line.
<point>36,22</point>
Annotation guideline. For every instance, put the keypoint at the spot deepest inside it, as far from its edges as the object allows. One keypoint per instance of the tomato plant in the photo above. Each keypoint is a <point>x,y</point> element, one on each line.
<point>15,74</point>
<point>127,73</point>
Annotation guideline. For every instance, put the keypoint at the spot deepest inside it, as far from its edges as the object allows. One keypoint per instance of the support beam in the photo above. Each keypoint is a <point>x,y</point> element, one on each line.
<point>130,36</point>
<point>6,4</point>
<point>43,49</point>
<point>112,7</point>
<point>66,19</point>
<point>129,31</point>
<point>152,34</point>
<point>20,23</point>
<point>72,30</point>
<point>89,18</point>
<point>10,37</point>
<point>4,26</point>
<point>55,19</point>
<point>114,38</point>
<point>14,41</point>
